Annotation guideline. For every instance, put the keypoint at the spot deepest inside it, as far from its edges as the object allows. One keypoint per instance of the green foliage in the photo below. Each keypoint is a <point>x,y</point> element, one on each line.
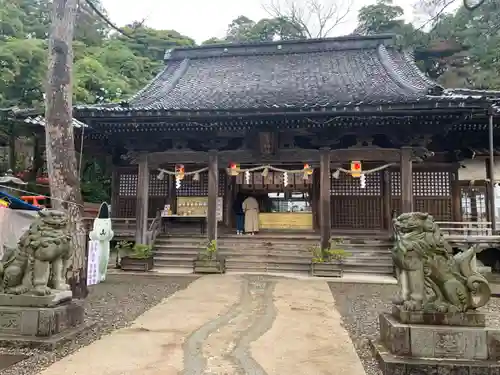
<point>332,254</point>
<point>245,30</point>
<point>131,250</point>
<point>107,66</point>
<point>461,49</point>
<point>209,252</point>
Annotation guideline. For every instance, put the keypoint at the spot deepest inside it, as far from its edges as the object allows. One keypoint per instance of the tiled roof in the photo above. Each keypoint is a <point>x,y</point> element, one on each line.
<point>347,71</point>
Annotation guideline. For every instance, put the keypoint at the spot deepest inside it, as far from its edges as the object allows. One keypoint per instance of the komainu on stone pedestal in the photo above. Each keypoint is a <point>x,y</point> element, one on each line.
<point>39,263</point>
<point>431,279</point>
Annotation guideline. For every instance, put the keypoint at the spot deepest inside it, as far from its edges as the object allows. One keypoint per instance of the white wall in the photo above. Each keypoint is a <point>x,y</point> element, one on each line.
<point>476,170</point>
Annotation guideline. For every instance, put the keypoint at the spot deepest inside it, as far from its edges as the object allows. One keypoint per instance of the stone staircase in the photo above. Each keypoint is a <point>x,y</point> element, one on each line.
<point>274,253</point>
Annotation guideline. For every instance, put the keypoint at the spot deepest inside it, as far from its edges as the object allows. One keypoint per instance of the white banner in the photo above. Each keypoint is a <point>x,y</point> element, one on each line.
<point>93,276</point>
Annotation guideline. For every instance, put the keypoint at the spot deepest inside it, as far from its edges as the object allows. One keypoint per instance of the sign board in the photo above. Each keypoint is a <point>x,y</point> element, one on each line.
<point>197,206</point>
<point>93,263</point>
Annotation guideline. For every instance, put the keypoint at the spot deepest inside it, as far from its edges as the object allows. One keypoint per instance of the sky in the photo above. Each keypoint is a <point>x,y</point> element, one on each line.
<point>203,19</point>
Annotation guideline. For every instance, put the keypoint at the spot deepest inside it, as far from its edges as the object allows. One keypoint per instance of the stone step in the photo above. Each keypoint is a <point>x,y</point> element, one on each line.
<point>173,254</point>
<point>173,262</point>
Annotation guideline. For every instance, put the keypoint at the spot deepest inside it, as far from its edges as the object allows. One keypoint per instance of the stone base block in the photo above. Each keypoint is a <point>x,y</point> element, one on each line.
<point>37,326</point>
<point>468,319</point>
<point>391,364</point>
<point>444,342</point>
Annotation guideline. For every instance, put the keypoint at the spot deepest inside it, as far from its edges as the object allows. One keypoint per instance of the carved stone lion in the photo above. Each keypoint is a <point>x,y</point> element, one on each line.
<point>38,264</point>
<point>430,277</point>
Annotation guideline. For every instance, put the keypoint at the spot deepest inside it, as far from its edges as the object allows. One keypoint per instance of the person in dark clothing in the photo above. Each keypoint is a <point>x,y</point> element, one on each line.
<point>240,215</point>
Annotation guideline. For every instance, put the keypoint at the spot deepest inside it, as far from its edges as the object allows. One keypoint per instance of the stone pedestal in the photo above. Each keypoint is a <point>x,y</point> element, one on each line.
<point>414,343</point>
<point>46,326</point>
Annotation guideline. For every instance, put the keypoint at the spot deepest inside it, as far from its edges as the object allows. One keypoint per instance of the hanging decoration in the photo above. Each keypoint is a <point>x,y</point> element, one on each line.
<point>234,169</point>
<point>362,181</point>
<point>356,169</point>
<point>369,171</point>
<point>177,182</point>
<point>196,177</point>
<point>336,174</point>
<point>179,171</point>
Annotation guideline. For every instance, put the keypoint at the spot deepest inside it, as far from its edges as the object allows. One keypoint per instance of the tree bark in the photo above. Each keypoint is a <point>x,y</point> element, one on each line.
<point>61,157</point>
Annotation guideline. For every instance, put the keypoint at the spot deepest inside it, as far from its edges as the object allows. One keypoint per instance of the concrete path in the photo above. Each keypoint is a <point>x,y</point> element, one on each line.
<point>227,325</point>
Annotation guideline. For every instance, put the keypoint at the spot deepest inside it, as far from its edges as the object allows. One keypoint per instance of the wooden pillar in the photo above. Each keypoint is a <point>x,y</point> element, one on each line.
<point>456,198</point>
<point>142,200</point>
<point>406,180</point>
<point>115,191</point>
<point>324,198</point>
<point>213,187</point>
<point>386,200</point>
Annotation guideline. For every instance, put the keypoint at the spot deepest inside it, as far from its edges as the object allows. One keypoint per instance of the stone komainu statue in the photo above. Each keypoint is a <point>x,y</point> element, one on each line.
<point>38,264</point>
<point>430,277</point>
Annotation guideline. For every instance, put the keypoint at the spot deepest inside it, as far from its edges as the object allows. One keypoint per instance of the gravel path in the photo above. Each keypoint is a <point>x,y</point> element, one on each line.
<point>360,306</point>
<point>112,305</point>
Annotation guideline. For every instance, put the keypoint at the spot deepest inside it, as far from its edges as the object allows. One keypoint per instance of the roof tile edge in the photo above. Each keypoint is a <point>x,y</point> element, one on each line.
<point>280,47</point>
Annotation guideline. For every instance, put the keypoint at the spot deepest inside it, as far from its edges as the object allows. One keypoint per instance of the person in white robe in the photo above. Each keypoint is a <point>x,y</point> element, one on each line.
<point>251,210</point>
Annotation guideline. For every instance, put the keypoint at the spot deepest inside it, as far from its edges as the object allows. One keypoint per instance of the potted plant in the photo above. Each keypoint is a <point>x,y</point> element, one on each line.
<point>136,257</point>
<point>328,262</point>
<point>208,261</point>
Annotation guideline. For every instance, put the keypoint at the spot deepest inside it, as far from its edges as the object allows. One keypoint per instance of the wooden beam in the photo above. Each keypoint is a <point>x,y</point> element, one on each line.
<point>284,155</point>
<point>406,180</point>
<point>213,184</point>
<point>324,200</point>
<point>142,200</point>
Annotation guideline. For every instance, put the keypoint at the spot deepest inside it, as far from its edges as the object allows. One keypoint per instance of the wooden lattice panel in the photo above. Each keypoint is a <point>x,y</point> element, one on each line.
<point>431,184</point>
<point>473,203</point>
<point>439,208</point>
<point>425,183</point>
<point>346,185</point>
<point>356,212</point>
<point>127,185</point>
<point>126,207</point>
<point>157,188</point>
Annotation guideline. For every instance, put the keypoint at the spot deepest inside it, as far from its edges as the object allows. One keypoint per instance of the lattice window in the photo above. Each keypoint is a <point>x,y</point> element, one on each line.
<point>348,185</point>
<point>473,203</point>
<point>395,183</point>
<point>431,184</point>
<point>127,185</point>
<point>157,188</point>
<point>425,184</point>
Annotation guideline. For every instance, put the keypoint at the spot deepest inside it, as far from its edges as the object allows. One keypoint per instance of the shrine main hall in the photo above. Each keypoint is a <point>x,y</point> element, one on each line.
<point>329,135</point>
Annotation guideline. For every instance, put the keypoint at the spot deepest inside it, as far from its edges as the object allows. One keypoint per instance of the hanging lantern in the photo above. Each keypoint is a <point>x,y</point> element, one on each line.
<point>196,177</point>
<point>179,171</point>
<point>356,169</point>
<point>308,170</point>
<point>285,178</point>
<point>234,169</point>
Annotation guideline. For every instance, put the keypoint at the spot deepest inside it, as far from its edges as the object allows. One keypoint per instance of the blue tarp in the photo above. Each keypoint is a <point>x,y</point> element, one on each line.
<point>17,204</point>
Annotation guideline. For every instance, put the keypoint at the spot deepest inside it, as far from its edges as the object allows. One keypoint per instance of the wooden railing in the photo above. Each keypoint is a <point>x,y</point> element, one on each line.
<point>123,227</point>
<point>153,229</point>
<point>468,232</point>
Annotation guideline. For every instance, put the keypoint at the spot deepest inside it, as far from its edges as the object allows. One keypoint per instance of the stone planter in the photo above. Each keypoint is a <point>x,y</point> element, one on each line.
<point>327,269</point>
<point>208,266</point>
<point>134,264</point>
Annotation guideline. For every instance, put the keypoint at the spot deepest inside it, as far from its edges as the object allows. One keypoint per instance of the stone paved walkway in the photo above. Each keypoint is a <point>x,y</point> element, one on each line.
<point>227,325</point>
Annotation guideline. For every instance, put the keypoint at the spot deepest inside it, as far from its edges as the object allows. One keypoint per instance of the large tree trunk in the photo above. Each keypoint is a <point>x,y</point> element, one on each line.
<point>61,158</point>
